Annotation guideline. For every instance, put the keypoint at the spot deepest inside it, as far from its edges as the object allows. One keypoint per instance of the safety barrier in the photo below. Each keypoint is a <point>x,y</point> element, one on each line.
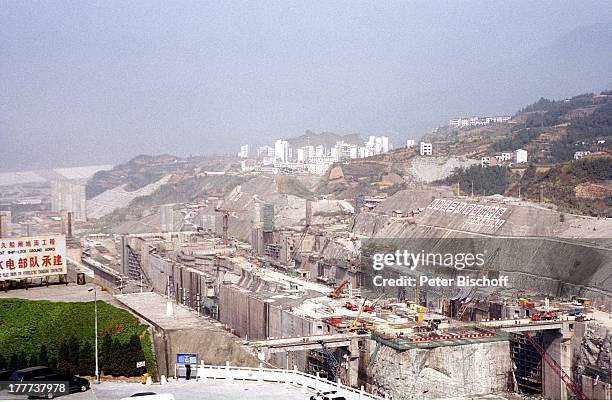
<point>260,374</point>
<point>450,337</point>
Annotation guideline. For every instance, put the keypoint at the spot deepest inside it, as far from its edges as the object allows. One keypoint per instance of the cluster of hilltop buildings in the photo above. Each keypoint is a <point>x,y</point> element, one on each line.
<point>518,156</point>
<point>315,159</point>
<point>474,121</point>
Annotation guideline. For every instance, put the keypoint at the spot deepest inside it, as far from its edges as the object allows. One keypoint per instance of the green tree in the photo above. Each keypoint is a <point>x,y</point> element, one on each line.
<point>486,180</point>
<point>14,362</point>
<point>22,361</point>
<point>118,365</point>
<point>134,354</point>
<point>52,363</point>
<point>86,359</point>
<point>3,362</point>
<point>63,358</point>
<point>106,355</point>
<point>74,348</point>
<point>43,356</point>
<point>33,360</point>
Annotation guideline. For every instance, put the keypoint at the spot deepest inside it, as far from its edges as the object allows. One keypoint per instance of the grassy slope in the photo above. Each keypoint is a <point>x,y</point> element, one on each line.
<point>25,325</point>
<point>291,185</point>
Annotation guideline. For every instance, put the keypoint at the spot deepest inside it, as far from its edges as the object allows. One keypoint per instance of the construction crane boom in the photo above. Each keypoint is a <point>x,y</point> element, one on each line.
<point>226,213</point>
<point>299,245</point>
<point>332,362</point>
<point>569,382</point>
<point>338,289</point>
<point>355,325</point>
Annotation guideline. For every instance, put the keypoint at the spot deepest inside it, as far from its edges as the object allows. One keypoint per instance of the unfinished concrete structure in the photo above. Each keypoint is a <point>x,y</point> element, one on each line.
<point>69,196</point>
<point>416,343</point>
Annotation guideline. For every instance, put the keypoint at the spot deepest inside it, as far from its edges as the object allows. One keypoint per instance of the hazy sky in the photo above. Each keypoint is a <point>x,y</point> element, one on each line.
<point>101,82</point>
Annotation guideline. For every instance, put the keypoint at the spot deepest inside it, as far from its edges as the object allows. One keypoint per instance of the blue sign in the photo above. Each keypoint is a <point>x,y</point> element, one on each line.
<point>186,358</point>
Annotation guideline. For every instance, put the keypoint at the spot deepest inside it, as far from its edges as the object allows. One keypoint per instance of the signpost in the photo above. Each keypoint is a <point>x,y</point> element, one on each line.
<point>187,358</point>
<point>32,257</point>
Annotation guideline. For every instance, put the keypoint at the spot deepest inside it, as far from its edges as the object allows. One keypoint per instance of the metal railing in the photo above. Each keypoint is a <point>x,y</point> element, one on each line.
<point>308,382</point>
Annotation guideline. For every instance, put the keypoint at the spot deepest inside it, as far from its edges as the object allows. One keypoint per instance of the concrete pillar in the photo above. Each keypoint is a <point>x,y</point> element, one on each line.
<point>308,212</point>
<point>352,372</point>
<point>229,379</point>
<point>69,224</point>
<point>63,221</point>
<point>4,225</point>
<point>558,347</point>
<point>260,374</point>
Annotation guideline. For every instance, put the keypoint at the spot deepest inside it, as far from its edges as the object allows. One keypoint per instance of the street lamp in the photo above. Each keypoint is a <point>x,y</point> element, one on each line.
<point>96,329</point>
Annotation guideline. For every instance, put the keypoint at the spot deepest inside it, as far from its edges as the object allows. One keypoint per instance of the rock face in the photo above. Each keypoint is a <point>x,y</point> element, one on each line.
<point>336,173</point>
<point>442,373</point>
<point>430,169</point>
<point>594,351</point>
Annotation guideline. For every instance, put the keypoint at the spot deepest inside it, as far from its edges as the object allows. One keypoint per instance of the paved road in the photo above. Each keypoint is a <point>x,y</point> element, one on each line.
<point>187,390</point>
<point>59,292</point>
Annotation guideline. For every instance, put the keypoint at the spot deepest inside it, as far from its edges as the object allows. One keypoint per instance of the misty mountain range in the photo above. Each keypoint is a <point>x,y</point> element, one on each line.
<point>577,62</point>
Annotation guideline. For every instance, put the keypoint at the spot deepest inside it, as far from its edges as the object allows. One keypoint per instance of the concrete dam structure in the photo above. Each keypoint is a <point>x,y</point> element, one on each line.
<point>538,251</point>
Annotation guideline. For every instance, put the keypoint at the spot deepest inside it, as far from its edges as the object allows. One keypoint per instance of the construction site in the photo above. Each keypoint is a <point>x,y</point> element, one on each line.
<point>249,274</point>
<point>286,282</point>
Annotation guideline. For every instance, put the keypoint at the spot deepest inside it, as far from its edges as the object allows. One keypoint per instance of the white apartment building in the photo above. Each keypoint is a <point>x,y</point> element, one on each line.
<point>303,154</point>
<point>244,151</point>
<point>377,145</point>
<point>473,121</point>
<point>300,155</point>
<point>319,151</point>
<point>581,154</point>
<point>268,160</point>
<point>520,156</point>
<point>281,151</point>
<point>247,165</point>
<point>496,119</point>
<point>265,151</point>
<point>410,143</point>
<point>426,149</point>
<point>319,165</point>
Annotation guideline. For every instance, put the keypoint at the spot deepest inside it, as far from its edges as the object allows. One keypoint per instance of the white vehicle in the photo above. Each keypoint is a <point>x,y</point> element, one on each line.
<point>150,396</point>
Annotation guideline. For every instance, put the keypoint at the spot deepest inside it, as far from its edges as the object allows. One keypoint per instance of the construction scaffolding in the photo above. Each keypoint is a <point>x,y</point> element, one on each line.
<point>527,363</point>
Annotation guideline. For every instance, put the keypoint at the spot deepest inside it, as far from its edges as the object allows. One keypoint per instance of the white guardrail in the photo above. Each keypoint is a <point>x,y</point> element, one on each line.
<point>260,374</point>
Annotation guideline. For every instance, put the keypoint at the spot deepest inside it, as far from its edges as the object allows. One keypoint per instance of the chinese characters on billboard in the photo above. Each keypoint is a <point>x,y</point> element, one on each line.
<point>31,257</point>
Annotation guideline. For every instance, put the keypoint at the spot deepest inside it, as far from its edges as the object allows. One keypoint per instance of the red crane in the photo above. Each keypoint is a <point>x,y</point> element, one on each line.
<point>571,384</point>
<point>226,213</point>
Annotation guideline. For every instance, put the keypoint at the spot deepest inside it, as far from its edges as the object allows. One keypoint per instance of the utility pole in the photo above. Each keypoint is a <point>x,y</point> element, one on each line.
<point>541,194</point>
<point>472,189</point>
<point>97,372</point>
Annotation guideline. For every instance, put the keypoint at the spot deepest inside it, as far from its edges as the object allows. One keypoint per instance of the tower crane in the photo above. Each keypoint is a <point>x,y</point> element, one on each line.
<point>226,213</point>
<point>569,382</point>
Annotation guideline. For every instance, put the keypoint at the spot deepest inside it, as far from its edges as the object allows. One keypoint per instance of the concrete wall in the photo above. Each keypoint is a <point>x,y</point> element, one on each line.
<point>445,372</point>
<point>596,389</point>
<point>214,346</point>
<point>254,318</point>
<point>558,346</point>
